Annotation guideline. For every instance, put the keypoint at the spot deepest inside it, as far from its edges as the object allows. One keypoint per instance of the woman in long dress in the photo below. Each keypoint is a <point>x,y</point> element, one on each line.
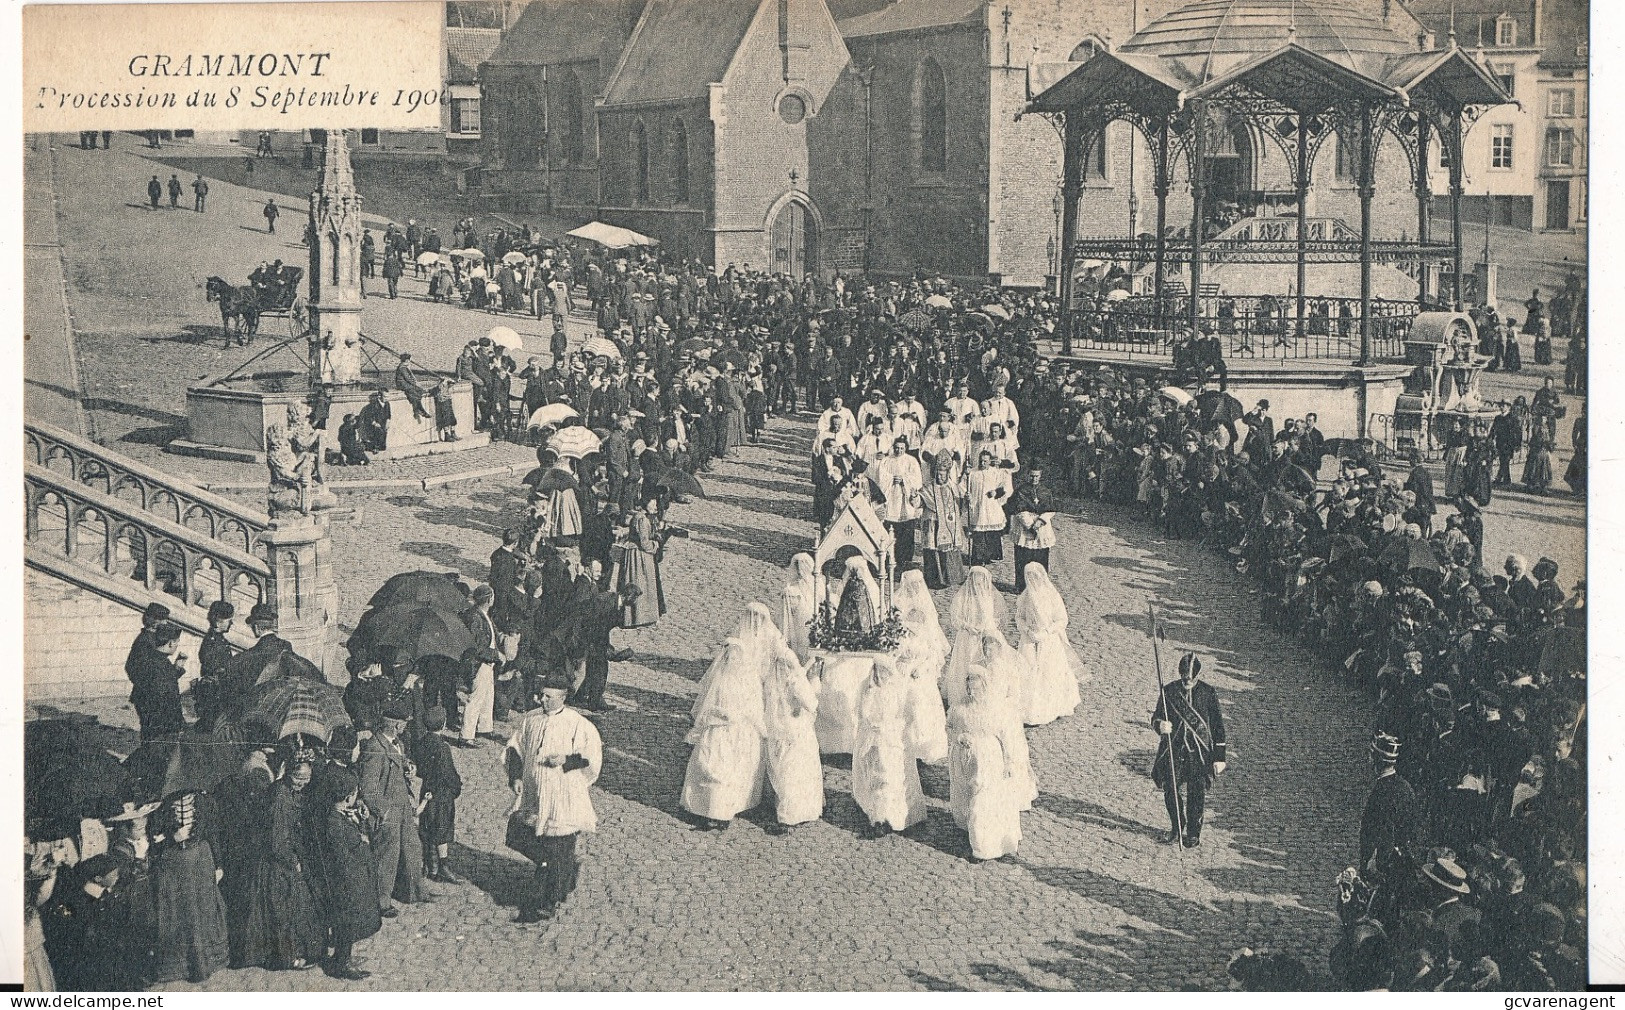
<point>986,490</point>
<point>640,566</point>
<point>976,611</point>
<point>558,510</point>
<point>942,524</point>
<point>190,938</point>
<point>1537,466</point>
<point>1054,668</point>
<point>283,931</point>
<point>793,764</point>
<point>732,401</point>
<point>885,777</point>
<point>799,604</point>
<point>726,767</point>
<point>982,792</point>
<point>922,657</point>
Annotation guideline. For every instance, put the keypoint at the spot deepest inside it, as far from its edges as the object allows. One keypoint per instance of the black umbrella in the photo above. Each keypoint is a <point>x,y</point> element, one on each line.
<point>1346,545</point>
<point>679,483</point>
<point>415,631</point>
<point>1410,556</point>
<point>730,356</point>
<point>259,667</point>
<point>1564,651</point>
<point>188,762</point>
<point>67,776</point>
<point>1279,503</point>
<point>1218,408</point>
<point>693,345</point>
<point>440,589</point>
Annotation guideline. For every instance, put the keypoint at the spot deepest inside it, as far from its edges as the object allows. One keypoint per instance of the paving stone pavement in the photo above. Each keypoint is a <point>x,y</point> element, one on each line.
<point>1092,901</point>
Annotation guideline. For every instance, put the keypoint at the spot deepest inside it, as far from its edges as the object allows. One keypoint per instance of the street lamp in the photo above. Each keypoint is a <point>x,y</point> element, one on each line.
<point>1057,242</point>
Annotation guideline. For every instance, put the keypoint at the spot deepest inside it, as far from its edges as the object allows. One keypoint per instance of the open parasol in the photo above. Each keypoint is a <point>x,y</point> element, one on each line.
<point>1217,408</point>
<point>915,320</point>
<point>506,338</point>
<point>602,346</point>
<point>693,345</point>
<point>981,319</point>
<point>997,311</point>
<point>1564,650</point>
<point>1117,295</point>
<point>439,589</point>
<point>428,259</point>
<point>286,707</point>
<point>1411,556</point>
<point>574,442</point>
<point>468,254</point>
<point>514,257</point>
<point>939,302</point>
<point>553,413</point>
<point>1175,394</point>
<point>415,630</point>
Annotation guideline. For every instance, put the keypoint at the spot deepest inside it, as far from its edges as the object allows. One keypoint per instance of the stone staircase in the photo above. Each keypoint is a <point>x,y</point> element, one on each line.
<point>105,536</point>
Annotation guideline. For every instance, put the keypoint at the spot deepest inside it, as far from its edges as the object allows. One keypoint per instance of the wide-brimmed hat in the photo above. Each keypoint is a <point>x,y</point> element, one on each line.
<point>1448,874</point>
<point>1385,746</point>
<point>131,811</point>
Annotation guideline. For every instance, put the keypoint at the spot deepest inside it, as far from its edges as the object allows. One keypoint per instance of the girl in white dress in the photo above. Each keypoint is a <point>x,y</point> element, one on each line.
<point>982,792</point>
<point>885,777</point>
<point>799,603</point>
<point>1054,668</point>
<point>1006,675</point>
<point>726,768</point>
<point>976,610</point>
<point>922,657</point>
<point>793,765</point>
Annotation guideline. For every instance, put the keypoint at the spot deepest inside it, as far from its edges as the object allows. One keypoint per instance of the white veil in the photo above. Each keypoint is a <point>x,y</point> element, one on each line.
<point>1040,607</point>
<point>733,692</point>
<point>919,611</point>
<point>977,604</point>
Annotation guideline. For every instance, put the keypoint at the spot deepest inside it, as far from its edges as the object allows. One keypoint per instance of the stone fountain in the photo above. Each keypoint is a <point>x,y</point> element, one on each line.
<point>232,416</point>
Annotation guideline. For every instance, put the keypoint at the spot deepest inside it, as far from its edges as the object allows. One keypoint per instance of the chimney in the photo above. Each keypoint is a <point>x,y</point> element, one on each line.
<point>1427,42</point>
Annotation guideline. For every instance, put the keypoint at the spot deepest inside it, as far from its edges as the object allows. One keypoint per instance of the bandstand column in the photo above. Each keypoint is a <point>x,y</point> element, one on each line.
<point>1424,214</point>
<point>1302,181</point>
<point>1162,183</point>
<point>1456,190</point>
<point>1198,194</point>
<point>1071,165</point>
<point>1367,186</point>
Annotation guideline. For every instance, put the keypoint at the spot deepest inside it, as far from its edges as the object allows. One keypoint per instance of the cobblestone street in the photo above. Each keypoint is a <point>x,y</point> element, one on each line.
<point>1092,901</point>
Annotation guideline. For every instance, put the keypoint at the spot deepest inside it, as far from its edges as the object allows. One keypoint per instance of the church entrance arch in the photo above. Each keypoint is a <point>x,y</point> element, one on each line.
<point>793,237</point>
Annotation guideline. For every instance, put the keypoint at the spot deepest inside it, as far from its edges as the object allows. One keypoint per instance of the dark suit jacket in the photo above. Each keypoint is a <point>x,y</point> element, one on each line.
<point>385,785</point>
<point>1391,821</point>
<point>1205,702</point>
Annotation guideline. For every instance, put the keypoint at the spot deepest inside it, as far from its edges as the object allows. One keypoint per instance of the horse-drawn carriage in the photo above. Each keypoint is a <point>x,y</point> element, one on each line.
<point>270,291</point>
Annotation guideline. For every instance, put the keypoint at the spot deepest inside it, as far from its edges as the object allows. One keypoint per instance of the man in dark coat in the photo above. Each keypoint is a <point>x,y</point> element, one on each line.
<point>407,383</point>
<point>212,656</point>
<point>386,788</point>
<point>1391,821</point>
<point>1030,510</point>
<point>155,192</point>
<point>242,672</point>
<point>1420,483</point>
<point>155,676</point>
<point>1506,431</point>
<point>343,872</point>
<point>154,615</point>
<point>1191,750</point>
<point>437,823</point>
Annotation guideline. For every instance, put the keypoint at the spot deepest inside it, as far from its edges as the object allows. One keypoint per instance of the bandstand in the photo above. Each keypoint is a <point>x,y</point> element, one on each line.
<point>1280,76</point>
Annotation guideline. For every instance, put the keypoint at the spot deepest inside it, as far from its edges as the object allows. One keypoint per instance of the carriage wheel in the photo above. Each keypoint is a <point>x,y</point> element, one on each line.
<point>298,317</point>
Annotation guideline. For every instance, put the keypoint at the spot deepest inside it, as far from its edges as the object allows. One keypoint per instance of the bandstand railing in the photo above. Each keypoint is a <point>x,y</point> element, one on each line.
<point>1258,326</point>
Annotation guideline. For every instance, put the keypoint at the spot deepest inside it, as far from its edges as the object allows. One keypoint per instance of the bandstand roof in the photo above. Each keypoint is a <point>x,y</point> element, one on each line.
<point>1301,54</point>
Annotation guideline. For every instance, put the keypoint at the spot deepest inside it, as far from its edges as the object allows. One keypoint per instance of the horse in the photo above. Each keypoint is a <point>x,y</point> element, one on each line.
<point>241,304</point>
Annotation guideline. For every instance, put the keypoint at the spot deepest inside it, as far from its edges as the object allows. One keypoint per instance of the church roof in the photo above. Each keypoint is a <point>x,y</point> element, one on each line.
<point>466,49</point>
<point>680,48</point>
<point>550,32</point>
<point>1203,40</point>
<point>911,15</point>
